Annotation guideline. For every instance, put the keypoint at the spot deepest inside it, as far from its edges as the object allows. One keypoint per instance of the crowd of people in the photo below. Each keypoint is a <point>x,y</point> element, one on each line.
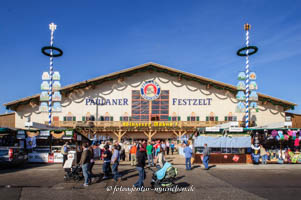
<point>113,152</point>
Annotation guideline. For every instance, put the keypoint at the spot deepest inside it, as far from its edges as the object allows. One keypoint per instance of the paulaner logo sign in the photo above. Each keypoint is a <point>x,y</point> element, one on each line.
<point>150,90</point>
<point>110,102</point>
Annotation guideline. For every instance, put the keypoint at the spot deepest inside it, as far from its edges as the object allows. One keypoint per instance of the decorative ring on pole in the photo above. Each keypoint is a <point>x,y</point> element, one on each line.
<point>60,52</point>
<point>254,48</point>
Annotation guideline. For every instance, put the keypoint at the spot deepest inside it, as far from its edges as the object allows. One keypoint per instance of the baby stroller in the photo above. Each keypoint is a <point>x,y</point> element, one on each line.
<point>73,173</point>
<point>73,170</point>
<point>164,178</point>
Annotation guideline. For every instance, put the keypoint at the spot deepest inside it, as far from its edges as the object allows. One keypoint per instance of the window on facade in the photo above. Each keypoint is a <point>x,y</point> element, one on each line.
<point>106,118</point>
<point>212,118</point>
<point>144,110</point>
<point>88,118</point>
<point>174,118</point>
<point>230,118</point>
<point>193,118</point>
<point>124,118</point>
<point>69,118</point>
<point>155,118</point>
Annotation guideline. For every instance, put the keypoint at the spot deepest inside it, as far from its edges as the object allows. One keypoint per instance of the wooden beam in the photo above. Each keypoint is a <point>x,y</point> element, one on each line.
<point>145,133</point>
<point>123,133</point>
<point>116,133</point>
<point>175,132</point>
<point>153,133</point>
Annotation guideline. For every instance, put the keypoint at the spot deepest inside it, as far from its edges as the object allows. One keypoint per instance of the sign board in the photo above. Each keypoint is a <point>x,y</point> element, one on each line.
<point>234,124</point>
<point>45,76</point>
<point>288,123</point>
<point>42,137</point>
<point>69,133</point>
<point>50,158</point>
<point>212,129</point>
<point>44,133</point>
<point>58,158</point>
<point>21,132</point>
<point>236,129</point>
<point>20,137</point>
<point>149,124</point>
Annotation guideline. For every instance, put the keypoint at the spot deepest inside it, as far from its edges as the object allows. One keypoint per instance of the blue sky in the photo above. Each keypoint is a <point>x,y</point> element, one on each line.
<point>200,37</point>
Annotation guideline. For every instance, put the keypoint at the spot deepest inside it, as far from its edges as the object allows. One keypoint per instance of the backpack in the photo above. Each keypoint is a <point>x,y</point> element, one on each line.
<point>171,172</point>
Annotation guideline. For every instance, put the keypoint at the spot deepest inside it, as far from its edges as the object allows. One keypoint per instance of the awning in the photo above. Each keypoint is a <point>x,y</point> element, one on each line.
<point>223,142</point>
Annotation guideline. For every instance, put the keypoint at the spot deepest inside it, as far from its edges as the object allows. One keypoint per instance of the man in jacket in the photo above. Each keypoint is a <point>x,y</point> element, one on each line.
<point>140,166</point>
<point>106,162</point>
<point>115,161</point>
<point>84,162</point>
<point>206,156</point>
<point>188,154</point>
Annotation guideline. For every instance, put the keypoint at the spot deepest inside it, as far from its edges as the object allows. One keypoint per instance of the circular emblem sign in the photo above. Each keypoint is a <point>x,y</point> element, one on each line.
<point>150,90</point>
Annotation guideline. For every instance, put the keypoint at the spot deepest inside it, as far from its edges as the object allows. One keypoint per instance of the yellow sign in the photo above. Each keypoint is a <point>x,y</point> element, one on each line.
<point>150,124</point>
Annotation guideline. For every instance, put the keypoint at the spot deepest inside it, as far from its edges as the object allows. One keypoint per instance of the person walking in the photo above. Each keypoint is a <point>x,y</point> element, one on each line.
<point>140,166</point>
<point>264,155</point>
<point>206,156</point>
<point>133,152</point>
<point>172,147</point>
<point>107,155</point>
<point>64,151</point>
<point>163,145</point>
<point>167,147</point>
<point>84,162</point>
<point>149,151</point>
<point>188,154</point>
<point>115,161</point>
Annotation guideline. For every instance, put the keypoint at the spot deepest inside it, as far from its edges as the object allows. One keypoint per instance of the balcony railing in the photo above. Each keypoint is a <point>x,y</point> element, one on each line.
<point>105,124</point>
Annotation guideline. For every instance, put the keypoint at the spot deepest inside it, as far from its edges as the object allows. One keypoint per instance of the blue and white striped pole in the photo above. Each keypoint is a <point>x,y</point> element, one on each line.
<point>247,28</point>
<point>52,27</point>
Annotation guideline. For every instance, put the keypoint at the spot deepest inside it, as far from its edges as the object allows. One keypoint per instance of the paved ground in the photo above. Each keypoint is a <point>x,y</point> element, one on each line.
<point>220,182</point>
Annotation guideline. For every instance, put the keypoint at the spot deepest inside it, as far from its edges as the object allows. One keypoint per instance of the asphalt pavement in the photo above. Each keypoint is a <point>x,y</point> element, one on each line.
<point>45,181</point>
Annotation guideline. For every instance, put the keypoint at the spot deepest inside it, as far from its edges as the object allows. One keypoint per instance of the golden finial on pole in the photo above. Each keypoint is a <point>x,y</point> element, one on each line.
<point>247,27</point>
